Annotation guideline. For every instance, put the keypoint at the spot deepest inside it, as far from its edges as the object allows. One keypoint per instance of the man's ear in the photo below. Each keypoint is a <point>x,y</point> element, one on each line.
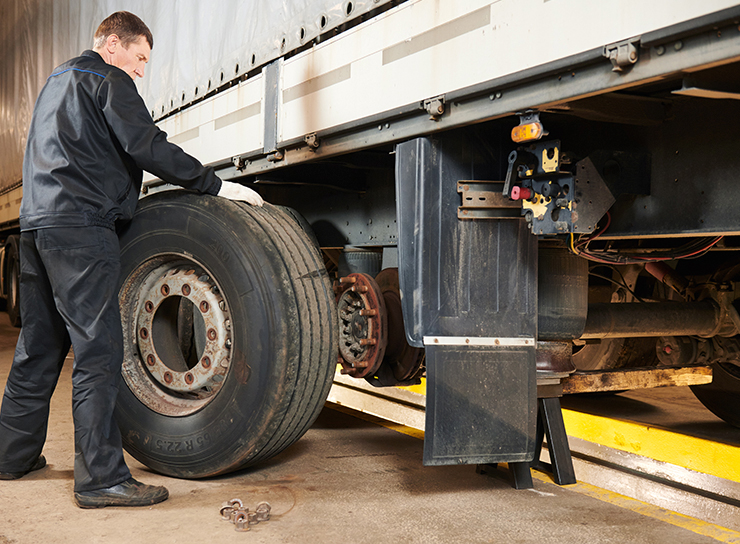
<point>112,43</point>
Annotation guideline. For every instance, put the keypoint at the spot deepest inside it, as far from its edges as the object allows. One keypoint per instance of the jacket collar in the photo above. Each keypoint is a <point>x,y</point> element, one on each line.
<point>92,54</point>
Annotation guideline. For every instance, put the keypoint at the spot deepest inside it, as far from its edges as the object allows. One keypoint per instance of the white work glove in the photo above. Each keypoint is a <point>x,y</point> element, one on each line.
<point>234,191</point>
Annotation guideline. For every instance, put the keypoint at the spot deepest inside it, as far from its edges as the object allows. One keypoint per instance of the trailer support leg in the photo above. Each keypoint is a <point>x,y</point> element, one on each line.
<point>549,423</point>
<point>519,475</point>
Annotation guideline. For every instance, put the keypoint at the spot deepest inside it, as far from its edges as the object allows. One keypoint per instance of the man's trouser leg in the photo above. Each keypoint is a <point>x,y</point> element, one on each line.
<point>85,264</point>
<point>42,346</point>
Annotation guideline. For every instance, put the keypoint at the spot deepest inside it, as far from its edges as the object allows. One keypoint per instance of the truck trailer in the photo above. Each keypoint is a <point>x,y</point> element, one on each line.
<point>507,199</point>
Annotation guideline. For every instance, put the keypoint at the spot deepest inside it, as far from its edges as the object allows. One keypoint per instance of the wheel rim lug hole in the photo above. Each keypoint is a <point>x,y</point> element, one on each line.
<point>206,362</point>
<point>212,334</point>
<point>204,306</point>
<point>189,378</point>
<point>168,377</point>
<point>186,289</point>
<point>150,360</point>
<point>144,333</point>
<point>149,306</point>
<point>165,289</point>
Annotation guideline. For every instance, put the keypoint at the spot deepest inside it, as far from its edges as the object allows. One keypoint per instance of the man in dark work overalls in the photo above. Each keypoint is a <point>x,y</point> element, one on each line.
<point>90,138</point>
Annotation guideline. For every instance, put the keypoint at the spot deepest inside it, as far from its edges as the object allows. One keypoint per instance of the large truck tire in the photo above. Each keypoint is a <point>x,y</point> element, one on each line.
<point>13,276</point>
<point>229,328</point>
<point>722,396</point>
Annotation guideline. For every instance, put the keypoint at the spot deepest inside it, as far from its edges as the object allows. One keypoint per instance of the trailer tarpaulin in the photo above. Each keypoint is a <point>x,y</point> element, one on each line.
<point>198,47</point>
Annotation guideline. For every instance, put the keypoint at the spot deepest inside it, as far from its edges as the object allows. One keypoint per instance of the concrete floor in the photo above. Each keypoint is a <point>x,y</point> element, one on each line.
<point>346,481</point>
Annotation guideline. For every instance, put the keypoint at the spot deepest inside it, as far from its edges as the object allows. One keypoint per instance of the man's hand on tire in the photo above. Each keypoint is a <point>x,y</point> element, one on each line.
<point>234,191</point>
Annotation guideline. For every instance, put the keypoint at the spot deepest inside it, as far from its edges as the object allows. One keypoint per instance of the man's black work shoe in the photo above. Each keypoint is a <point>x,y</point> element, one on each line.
<point>40,463</point>
<point>128,493</point>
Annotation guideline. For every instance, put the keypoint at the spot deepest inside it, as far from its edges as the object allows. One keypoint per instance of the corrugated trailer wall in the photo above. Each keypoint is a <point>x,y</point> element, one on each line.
<point>198,46</point>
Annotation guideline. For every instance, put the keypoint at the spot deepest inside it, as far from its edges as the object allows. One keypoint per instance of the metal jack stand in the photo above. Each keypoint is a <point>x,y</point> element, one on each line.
<point>550,424</point>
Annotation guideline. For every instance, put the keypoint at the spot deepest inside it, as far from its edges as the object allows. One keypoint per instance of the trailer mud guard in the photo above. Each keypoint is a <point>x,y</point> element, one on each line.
<point>469,296</point>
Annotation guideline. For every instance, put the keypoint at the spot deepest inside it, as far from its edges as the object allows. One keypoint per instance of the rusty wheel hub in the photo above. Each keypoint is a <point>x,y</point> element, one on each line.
<point>185,296</point>
<point>363,329</point>
<point>179,355</point>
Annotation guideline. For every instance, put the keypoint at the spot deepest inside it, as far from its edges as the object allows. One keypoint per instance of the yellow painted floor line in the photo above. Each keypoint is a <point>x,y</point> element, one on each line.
<point>698,454</point>
<point>695,525</point>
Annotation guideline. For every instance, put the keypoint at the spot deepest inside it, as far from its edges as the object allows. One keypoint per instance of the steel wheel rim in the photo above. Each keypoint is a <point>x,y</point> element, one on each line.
<point>154,298</point>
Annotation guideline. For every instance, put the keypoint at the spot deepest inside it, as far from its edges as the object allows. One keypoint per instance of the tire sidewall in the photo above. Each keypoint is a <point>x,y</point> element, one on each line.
<point>722,396</point>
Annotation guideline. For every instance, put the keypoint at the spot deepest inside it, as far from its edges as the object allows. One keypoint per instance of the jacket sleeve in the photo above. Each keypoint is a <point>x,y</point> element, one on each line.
<point>133,127</point>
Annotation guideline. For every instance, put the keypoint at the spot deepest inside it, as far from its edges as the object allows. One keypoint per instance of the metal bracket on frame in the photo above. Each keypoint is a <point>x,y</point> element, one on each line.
<point>239,162</point>
<point>312,140</point>
<point>435,107</point>
<point>485,200</point>
<point>622,54</point>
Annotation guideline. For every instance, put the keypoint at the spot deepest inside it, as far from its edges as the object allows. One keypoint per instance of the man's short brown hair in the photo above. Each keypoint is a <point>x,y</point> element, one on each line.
<point>127,26</point>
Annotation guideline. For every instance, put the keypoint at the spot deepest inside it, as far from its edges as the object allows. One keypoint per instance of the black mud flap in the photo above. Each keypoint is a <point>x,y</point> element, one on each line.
<point>469,296</point>
<point>478,405</point>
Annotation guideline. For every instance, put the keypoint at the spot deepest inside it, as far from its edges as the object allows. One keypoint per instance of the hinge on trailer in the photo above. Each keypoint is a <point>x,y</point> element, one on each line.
<point>312,140</point>
<point>240,163</point>
<point>622,54</point>
<point>435,107</point>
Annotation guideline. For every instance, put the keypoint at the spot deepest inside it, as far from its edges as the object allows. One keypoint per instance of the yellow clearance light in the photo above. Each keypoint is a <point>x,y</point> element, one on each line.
<point>527,132</point>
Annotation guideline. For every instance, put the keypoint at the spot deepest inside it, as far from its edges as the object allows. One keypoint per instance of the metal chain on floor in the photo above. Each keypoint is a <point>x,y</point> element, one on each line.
<point>234,512</point>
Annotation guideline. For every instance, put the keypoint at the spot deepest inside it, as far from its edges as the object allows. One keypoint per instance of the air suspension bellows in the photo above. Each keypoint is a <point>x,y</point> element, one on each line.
<point>562,295</point>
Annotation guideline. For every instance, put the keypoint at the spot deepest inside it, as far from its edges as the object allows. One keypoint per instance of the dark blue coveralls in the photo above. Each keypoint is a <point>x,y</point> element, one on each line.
<point>90,138</point>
